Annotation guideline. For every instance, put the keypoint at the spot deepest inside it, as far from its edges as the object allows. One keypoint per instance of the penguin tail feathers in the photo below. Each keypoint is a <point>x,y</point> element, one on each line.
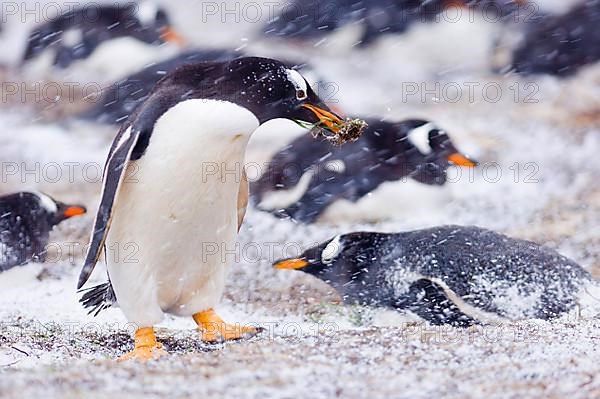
<point>98,298</point>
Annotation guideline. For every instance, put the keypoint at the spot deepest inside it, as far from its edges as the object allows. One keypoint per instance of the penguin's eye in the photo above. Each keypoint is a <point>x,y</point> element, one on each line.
<point>299,84</point>
<point>301,94</point>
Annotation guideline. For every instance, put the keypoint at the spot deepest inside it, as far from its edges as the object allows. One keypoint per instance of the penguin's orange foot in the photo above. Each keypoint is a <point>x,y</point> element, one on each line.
<point>144,353</point>
<point>146,347</point>
<point>214,329</point>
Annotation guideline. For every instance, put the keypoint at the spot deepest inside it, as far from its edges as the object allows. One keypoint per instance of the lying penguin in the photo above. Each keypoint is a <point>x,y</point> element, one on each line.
<point>120,99</point>
<point>198,118</point>
<point>308,176</point>
<point>458,275</point>
<point>77,33</point>
<point>313,19</point>
<point>26,220</point>
<point>560,45</point>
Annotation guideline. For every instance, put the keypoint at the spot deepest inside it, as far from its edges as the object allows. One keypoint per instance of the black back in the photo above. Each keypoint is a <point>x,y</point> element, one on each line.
<point>24,229</point>
<point>310,19</point>
<point>119,100</point>
<point>560,45</point>
<point>314,18</point>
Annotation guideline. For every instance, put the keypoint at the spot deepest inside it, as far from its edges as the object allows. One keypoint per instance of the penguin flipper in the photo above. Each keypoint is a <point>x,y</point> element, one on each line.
<point>431,302</point>
<point>114,174</point>
<point>325,188</point>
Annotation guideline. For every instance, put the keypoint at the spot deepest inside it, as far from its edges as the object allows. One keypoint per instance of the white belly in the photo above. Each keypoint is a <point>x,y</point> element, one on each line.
<point>176,214</point>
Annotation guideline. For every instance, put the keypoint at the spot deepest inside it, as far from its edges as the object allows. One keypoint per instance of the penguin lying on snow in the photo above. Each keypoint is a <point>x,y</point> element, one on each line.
<point>26,220</point>
<point>75,34</point>
<point>448,275</point>
<point>120,99</point>
<point>314,18</point>
<point>183,143</point>
<point>560,45</point>
<point>308,176</point>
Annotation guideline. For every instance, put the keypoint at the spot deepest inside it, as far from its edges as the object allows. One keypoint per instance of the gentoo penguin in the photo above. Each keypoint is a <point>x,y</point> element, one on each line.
<point>561,44</point>
<point>75,34</point>
<point>175,189</point>
<point>457,275</point>
<point>119,100</point>
<point>313,19</point>
<point>26,220</point>
<point>307,176</point>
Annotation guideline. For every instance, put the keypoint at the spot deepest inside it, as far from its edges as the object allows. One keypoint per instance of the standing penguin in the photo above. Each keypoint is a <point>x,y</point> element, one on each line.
<point>308,176</point>
<point>458,275</point>
<point>175,189</point>
<point>26,220</point>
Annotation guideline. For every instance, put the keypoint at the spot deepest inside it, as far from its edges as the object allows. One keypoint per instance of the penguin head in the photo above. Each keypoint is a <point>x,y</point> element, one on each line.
<point>276,91</point>
<point>266,87</point>
<point>436,152</point>
<point>150,23</point>
<point>54,211</point>
<point>340,256</point>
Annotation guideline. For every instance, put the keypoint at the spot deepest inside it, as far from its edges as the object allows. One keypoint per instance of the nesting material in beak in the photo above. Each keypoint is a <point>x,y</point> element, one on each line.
<point>343,130</point>
<point>290,264</point>
<point>460,160</point>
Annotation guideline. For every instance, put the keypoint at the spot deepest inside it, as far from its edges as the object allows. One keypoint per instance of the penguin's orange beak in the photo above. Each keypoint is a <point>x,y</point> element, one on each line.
<point>459,159</point>
<point>290,264</point>
<point>74,210</point>
<point>172,36</point>
<point>333,122</point>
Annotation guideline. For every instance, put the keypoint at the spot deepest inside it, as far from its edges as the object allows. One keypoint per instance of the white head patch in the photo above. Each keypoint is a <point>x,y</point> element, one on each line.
<point>336,165</point>
<point>47,203</point>
<point>419,137</point>
<point>299,83</point>
<point>331,250</point>
<point>146,12</point>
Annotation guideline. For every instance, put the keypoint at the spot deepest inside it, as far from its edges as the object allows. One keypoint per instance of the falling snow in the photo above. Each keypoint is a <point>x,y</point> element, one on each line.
<point>548,192</point>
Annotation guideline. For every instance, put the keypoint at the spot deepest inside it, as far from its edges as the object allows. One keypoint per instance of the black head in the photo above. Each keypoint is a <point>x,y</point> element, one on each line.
<point>43,206</point>
<point>150,23</point>
<point>414,147</point>
<point>266,87</point>
<point>339,257</point>
<point>436,152</point>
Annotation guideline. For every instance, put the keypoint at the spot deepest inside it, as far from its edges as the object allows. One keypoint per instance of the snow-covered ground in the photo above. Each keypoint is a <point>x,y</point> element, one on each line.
<point>537,140</point>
